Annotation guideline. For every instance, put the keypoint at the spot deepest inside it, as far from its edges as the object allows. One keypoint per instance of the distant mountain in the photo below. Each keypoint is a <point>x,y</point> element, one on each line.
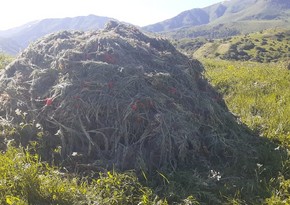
<point>226,18</point>
<point>8,46</point>
<point>192,17</point>
<point>23,35</point>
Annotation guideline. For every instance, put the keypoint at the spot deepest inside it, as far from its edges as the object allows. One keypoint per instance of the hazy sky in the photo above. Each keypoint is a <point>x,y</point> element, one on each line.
<point>139,12</point>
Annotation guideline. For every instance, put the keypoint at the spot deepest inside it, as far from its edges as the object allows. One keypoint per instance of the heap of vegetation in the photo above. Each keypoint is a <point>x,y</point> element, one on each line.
<point>122,98</point>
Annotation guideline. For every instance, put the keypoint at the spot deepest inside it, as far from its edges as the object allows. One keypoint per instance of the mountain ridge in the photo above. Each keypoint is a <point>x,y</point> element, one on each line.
<point>220,20</point>
<point>227,12</point>
<point>27,33</point>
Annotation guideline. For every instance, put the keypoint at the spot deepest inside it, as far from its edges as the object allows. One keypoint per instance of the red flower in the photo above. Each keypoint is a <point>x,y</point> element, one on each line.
<point>173,90</point>
<point>110,84</point>
<point>134,107</point>
<point>109,58</point>
<point>48,101</point>
<point>151,103</point>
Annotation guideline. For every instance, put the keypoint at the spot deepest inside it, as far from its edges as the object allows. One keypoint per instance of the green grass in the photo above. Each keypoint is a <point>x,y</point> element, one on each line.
<point>258,94</point>
<point>24,179</point>
<point>4,60</point>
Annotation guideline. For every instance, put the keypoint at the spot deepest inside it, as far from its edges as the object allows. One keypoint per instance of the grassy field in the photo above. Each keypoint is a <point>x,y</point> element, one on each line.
<point>258,94</point>
<point>26,180</point>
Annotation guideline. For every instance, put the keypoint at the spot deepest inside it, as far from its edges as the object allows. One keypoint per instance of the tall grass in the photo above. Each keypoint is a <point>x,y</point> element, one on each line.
<point>258,94</point>
<point>24,179</point>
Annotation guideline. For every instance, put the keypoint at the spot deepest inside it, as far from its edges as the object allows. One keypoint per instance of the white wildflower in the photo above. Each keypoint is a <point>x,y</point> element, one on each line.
<point>277,148</point>
<point>26,166</point>
<point>259,165</point>
<point>215,175</point>
<point>58,132</point>
<point>74,154</point>
<point>38,126</point>
<point>18,112</point>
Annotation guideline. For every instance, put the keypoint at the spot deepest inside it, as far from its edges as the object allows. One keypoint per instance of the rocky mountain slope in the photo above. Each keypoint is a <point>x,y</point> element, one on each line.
<point>226,19</point>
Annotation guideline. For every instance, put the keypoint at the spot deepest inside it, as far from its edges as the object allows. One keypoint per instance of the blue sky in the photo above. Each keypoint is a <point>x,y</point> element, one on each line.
<point>139,12</point>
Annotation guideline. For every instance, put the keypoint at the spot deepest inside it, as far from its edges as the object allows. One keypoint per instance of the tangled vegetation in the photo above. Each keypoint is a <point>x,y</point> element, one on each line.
<point>121,99</point>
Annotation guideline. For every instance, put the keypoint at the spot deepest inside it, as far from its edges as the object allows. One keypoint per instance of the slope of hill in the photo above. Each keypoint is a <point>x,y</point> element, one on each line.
<point>8,46</point>
<point>192,17</point>
<point>27,33</point>
<point>226,19</point>
<point>267,46</point>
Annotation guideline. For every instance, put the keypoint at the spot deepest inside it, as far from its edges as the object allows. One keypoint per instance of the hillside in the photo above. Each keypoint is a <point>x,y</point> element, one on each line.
<point>23,35</point>
<point>266,46</point>
<point>227,18</point>
<point>8,46</point>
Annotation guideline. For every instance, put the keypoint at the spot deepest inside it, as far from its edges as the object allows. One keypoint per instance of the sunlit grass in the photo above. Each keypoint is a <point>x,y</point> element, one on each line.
<point>24,179</point>
<point>258,94</point>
